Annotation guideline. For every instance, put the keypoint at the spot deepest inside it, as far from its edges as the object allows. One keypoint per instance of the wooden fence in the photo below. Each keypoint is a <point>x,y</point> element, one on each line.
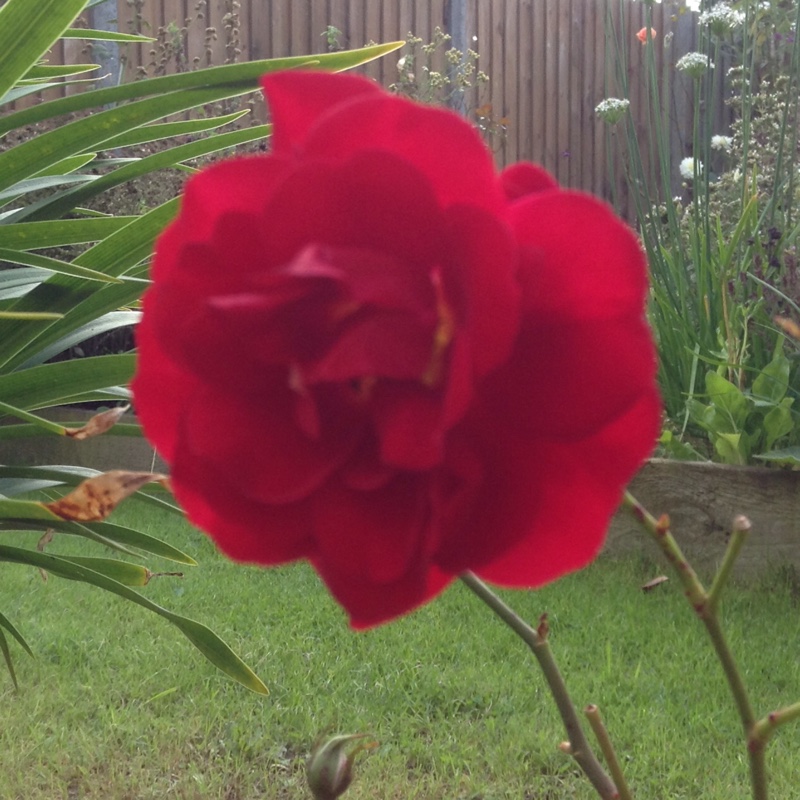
<point>549,61</point>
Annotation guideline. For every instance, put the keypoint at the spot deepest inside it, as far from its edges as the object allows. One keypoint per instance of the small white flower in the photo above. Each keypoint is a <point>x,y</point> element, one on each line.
<point>687,168</point>
<point>722,143</point>
<point>694,64</point>
<point>612,109</point>
<point>721,19</point>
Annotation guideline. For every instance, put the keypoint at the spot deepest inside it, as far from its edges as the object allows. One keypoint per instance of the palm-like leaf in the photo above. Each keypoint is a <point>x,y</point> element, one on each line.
<point>49,304</point>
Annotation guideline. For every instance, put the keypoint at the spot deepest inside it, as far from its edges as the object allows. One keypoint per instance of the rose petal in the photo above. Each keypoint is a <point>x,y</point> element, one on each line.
<point>451,154</point>
<point>578,260</point>
<point>298,98</point>
<point>274,461</point>
<point>521,179</point>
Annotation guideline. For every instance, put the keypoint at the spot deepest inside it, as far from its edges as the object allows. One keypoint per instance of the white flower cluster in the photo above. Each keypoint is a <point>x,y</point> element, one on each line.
<point>721,19</point>
<point>722,143</point>
<point>694,64</point>
<point>687,167</point>
<point>612,109</point>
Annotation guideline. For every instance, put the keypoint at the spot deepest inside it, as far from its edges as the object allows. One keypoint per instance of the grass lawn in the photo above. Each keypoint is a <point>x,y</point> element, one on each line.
<point>118,706</point>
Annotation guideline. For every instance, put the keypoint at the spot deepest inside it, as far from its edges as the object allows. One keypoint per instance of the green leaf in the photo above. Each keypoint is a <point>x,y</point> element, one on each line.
<point>202,637</point>
<point>46,72</point>
<point>787,456</point>
<point>51,265</point>
<point>6,623</point>
<point>7,656</point>
<point>731,448</point>
<point>104,36</point>
<point>38,235</point>
<point>59,383</point>
<point>67,165</point>
<point>125,572</point>
<point>772,382</point>
<point>239,78</point>
<point>27,31</point>
<point>166,130</point>
<point>38,184</point>
<point>58,205</point>
<point>728,400</point>
<point>778,422</point>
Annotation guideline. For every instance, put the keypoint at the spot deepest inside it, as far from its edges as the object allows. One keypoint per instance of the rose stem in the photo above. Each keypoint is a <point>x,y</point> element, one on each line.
<point>706,607</point>
<point>592,713</point>
<point>580,749</point>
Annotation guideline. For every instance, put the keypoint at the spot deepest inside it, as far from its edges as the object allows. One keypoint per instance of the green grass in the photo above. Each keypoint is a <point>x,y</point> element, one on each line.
<point>118,706</point>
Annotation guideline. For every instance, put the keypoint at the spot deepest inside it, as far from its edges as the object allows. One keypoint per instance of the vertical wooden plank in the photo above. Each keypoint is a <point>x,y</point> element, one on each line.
<point>281,28</point>
<point>539,100</point>
<point>301,27</point>
<point>577,101</point>
<point>482,44</point>
<point>551,88</point>
<point>562,89</point>
<point>337,17</point>
<point>510,76</point>
<point>355,35</point>
<point>405,19</point>
<point>497,66</point>
<point>524,113</point>
<point>259,40</point>
<point>600,130</point>
<point>372,12</point>
<point>197,21</point>
<point>318,21</point>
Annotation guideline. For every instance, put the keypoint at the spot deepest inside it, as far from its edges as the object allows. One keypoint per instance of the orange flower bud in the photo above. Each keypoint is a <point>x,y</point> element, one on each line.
<point>643,34</point>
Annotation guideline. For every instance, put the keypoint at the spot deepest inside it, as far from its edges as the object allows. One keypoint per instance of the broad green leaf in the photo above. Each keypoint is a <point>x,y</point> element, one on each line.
<point>27,31</point>
<point>727,399</point>
<point>778,422</point>
<point>240,78</point>
<point>59,383</point>
<point>731,448</point>
<point>786,456</point>
<point>204,639</point>
<point>166,130</point>
<point>38,235</point>
<point>772,383</point>
<point>105,36</point>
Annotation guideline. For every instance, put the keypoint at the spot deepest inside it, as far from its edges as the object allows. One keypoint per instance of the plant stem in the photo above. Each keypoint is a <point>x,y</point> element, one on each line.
<point>764,728</point>
<point>579,746</point>
<point>706,608</point>
<point>592,713</point>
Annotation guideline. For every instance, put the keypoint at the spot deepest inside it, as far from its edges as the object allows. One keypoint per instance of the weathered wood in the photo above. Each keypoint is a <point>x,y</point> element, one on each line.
<point>702,500</point>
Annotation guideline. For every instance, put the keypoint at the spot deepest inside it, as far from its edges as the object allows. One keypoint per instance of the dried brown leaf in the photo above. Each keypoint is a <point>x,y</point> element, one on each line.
<point>650,585</point>
<point>95,498</point>
<point>98,424</point>
<point>788,326</point>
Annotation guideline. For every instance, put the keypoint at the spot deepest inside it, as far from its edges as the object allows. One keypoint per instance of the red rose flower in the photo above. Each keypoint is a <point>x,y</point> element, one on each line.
<point>370,350</point>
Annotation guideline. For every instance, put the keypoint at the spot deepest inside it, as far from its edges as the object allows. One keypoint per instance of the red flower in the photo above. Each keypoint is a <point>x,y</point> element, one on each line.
<point>369,350</point>
<point>642,35</point>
